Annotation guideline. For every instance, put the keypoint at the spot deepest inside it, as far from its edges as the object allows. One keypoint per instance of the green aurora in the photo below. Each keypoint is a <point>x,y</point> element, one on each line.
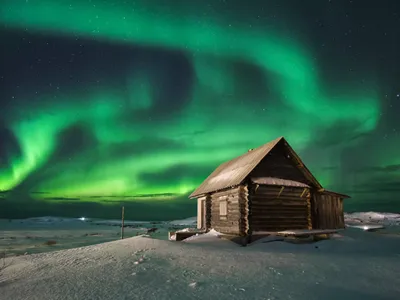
<point>111,142</point>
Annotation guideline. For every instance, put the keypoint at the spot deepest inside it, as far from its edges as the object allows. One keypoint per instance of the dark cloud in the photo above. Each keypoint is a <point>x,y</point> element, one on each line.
<point>178,208</point>
<point>89,65</point>
<point>377,187</point>
<point>376,192</point>
<point>192,134</point>
<point>378,182</point>
<point>329,168</point>
<point>131,197</point>
<point>62,199</point>
<point>171,76</point>
<point>72,141</point>
<point>338,134</point>
<point>9,146</point>
<point>160,195</point>
<point>176,174</point>
<point>143,146</point>
<point>250,79</point>
<point>378,169</point>
<point>174,82</point>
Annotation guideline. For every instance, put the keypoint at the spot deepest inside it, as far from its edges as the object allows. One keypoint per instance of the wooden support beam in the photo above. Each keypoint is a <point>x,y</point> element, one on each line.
<point>280,192</point>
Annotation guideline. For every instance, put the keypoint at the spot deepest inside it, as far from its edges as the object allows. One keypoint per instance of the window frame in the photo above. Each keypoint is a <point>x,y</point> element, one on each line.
<point>223,209</point>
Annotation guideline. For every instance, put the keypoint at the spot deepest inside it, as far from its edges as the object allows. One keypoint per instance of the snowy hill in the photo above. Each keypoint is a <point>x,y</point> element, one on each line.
<point>185,222</point>
<point>212,268</point>
<point>381,218</point>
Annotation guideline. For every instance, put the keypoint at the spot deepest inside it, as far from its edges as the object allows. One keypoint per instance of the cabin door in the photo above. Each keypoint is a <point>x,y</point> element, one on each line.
<point>201,213</point>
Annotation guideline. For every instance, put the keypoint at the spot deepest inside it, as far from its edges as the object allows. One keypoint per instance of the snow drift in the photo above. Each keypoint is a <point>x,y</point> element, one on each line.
<point>145,268</point>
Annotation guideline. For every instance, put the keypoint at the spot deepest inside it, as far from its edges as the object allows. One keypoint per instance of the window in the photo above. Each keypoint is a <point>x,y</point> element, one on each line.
<point>223,208</point>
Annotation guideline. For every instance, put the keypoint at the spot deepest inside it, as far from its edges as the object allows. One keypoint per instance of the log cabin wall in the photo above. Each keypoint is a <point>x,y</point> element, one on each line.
<point>278,164</point>
<point>275,208</point>
<point>225,210</point>
<point>327,211</point>
<point>208,212</point>
<point>244,210</point>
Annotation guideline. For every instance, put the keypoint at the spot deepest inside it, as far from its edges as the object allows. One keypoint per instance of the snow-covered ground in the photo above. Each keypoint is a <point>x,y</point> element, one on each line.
<point>354,264</point>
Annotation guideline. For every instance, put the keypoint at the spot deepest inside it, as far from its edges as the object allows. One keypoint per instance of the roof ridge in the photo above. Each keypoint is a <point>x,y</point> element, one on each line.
<point>216,180</point>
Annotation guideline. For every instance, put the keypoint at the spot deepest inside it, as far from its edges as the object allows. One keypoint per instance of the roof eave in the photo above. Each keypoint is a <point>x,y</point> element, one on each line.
<point>344,196</point>
<point>193,196</point>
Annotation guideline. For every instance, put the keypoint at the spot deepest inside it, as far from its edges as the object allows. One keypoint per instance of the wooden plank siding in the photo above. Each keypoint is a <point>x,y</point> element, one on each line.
<point>327,211</point>
<point>275,208</point>
<point>230,223</point>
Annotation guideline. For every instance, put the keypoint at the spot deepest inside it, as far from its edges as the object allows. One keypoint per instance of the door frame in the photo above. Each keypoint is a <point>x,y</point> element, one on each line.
<point>201,213</point>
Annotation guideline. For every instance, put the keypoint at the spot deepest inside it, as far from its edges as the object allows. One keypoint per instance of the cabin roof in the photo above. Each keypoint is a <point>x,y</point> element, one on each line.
<point>233,172</point>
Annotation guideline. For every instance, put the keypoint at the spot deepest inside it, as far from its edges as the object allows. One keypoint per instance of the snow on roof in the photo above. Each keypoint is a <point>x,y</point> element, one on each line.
<point>278,181</point>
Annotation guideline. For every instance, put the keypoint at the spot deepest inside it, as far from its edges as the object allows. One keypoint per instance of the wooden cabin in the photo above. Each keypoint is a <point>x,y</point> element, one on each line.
<point>267,189</point>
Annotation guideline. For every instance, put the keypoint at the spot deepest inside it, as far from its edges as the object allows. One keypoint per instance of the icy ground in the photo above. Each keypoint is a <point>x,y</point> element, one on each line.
<point>352,265</point>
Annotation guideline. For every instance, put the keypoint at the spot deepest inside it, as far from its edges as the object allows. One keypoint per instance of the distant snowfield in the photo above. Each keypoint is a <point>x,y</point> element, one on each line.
<point>33,235</point>
<point>385,219</point>
<point>352,265</point>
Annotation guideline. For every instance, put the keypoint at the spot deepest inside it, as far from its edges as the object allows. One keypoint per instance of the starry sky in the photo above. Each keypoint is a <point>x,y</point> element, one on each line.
<point>106,103</point>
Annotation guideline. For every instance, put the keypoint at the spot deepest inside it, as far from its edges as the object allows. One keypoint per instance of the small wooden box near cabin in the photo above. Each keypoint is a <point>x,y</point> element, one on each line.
<point>267,189</point>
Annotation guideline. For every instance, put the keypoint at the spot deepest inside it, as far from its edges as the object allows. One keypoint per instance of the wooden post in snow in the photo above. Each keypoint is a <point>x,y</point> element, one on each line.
<point>122,223</point>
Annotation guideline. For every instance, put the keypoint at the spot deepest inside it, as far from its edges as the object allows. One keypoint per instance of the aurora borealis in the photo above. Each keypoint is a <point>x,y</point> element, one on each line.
<point>104,102</point>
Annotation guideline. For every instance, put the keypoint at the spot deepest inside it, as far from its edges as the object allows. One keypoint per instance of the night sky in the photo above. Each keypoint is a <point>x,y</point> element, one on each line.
<point>106,102</point>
